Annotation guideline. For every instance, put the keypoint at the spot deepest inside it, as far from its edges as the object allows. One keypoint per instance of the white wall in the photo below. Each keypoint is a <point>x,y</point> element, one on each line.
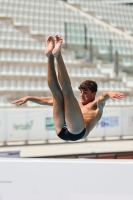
<point>80,179</point>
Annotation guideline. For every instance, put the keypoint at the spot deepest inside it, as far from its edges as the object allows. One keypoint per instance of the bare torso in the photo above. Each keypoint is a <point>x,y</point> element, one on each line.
<point>92,113</point>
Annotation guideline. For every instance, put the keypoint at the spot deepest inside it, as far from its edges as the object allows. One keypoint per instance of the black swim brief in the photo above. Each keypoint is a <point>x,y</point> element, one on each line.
<point>66,135</point>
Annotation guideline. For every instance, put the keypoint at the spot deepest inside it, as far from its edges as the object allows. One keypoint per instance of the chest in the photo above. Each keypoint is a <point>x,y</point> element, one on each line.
<point>92,111</point>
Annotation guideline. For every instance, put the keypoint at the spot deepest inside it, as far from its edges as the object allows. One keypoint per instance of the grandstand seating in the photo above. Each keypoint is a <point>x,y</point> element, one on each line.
<point>116,14</point>
<point>101,35</point>
<point>30,85</point>
<point>24,26</point>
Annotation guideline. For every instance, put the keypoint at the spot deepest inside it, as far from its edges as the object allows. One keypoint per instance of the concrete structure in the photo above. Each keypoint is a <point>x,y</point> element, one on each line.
<point>65,179</point>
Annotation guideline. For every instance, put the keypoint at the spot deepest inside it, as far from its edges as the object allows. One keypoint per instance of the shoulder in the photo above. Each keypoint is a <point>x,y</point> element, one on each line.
<point>100,102</point>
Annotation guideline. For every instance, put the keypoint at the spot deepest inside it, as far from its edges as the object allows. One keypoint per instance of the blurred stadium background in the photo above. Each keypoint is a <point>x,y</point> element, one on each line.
<point>98,45</point>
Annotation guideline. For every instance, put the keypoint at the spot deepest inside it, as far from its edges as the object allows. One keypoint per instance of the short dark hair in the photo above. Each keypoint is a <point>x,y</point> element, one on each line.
<point>88,85</point>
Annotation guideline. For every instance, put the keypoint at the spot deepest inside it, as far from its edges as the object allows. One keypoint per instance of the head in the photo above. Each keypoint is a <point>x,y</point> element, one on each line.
<point>88,91</point>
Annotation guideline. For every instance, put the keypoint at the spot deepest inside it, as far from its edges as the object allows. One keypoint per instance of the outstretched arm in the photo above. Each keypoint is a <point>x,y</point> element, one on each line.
<point>107,95</point>
<point>39,100</point>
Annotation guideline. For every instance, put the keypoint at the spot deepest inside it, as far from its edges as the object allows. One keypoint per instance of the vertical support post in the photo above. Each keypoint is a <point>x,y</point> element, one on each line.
<point>91,51</point>
<point>66,35</point>
<point>85,36</point>
<point>116,66</point>
<point>110,51</point>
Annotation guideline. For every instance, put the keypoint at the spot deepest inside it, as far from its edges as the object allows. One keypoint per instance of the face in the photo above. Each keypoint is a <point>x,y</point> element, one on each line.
<point>86,96</point>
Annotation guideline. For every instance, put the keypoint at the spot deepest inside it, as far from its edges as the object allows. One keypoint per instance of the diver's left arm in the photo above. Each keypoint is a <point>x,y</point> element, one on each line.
<point>107,95</point>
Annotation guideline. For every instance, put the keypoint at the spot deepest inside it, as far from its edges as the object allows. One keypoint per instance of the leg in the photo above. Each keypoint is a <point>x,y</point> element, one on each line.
<point>58,101</point>
<point>73,115</point>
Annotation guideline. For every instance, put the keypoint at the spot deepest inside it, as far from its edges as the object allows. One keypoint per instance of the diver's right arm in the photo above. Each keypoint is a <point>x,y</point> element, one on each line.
<point>39,100</point>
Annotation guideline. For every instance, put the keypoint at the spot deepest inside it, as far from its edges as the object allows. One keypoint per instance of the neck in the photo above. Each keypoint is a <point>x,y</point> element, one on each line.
<point>87,102</point>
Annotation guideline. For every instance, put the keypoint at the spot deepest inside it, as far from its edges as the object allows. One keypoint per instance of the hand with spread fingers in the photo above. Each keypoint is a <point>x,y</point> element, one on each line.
<point>116,95</point>
<point>20,101</point>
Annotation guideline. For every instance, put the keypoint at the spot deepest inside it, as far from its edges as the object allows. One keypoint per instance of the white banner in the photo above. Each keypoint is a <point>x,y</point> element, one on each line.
<point>49,124</point>
<point>10,154</point>
<point>35,118</point>
<point>127,121</point>
<point>23,124</point>
<point>17,125</point>
<point>112,121</point>
<point>109,124</point>
<point>3,125</point>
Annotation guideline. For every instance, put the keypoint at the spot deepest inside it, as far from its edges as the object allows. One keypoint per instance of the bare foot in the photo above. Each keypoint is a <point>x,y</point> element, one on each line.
<point>57,50</point>
<point>50,44</point>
